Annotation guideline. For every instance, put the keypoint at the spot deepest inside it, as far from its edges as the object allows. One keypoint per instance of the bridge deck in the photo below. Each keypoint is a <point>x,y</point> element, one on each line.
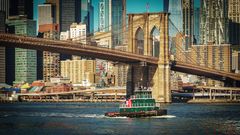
<point>72,48</point>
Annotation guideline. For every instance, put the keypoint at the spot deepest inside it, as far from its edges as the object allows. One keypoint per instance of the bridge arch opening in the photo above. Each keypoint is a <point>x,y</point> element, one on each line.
<point>155,42</point>
<point>139,41</point>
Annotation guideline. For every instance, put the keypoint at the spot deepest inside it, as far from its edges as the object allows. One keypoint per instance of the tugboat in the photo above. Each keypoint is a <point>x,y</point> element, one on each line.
<point>141,104</point>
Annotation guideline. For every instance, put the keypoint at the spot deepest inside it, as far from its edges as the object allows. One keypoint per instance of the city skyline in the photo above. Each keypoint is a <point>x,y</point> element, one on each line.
<point>62,60</point>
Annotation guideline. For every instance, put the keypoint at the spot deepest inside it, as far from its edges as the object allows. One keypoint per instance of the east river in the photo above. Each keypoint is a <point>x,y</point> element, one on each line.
<point>88,119</point>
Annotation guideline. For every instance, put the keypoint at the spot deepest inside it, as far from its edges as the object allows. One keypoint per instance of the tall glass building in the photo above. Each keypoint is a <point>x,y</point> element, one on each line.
<point>70,11</point>
<point>87,14</point>
<point>104,15</point>
<point>175,10</point>
<point>4,12</point>
<point>196,34</point>
<point>214,21</point>
<point>118,10</point>
<point>112,14</point>
<point>25,59</point>
<point>234,21</point>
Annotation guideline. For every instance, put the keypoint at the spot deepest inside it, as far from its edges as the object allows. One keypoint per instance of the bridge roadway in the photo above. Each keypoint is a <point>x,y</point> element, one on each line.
<point>69,47</point>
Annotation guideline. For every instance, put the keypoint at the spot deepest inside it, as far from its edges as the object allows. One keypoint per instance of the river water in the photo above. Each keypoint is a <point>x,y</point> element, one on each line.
<point>88,118</point>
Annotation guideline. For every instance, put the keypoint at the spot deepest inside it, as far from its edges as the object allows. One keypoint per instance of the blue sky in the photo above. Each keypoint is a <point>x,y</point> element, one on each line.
<point>139,6</point>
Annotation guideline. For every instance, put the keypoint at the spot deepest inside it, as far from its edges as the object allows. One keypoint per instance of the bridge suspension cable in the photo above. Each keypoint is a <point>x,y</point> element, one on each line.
<point>123,32</point>
<point>184,52</point>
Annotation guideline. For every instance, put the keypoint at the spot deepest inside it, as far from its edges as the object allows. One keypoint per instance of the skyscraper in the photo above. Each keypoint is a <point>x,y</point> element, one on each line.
<point>21,7</point>
<point>112,18</point>
<point>181,21</point>
<point>4,6</point>
<point>214,21</point>
<point>2,49</point>
<point>45,15</point>
<point>2,21</point>
<point>87,14</point>
<point>118,14</point>
<point>25,59</point>
<point>187,9</point>
<point>56,10</point>
<point>196,21</point>
<point>105,15</point>
<point>91,30</point>
<point>50,30</point>
<point>234,21</point>
<point>70,11</point>
<point>4,13</point>
<point>176,16</point>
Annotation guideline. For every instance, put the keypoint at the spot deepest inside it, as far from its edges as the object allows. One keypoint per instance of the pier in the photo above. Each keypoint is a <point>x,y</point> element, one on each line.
<point>205,94</point>
<point>98,95</point>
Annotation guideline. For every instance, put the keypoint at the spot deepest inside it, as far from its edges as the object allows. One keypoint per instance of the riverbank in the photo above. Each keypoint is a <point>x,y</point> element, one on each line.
<point>198,101</point>
<point>65,100</point>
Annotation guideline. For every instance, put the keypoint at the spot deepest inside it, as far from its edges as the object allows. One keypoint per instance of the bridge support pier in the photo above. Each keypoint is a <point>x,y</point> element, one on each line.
<point>161,84</point>
<point>158,76</point>
<point>130,81</point>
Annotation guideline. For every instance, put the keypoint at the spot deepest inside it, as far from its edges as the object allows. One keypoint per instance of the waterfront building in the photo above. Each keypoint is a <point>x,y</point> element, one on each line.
<point>25,59</point>
<point>234,21</point>
<point>59,79</point>
<point>59,88</point>
<point>214,22</point>
<point>236,61</point>
<point>79,71</point>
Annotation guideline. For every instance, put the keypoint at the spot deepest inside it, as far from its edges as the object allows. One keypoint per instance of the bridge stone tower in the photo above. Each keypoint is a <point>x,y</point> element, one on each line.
<point>148,35</point>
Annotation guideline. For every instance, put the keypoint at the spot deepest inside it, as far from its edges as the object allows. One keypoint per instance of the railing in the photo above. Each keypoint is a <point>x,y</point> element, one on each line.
<point>135,105</point>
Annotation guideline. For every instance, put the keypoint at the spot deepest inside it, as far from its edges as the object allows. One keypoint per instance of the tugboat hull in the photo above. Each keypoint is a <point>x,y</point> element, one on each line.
<point>159,112</point>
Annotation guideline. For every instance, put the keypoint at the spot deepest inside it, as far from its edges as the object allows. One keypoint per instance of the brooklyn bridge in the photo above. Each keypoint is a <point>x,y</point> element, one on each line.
<point>148,63</point>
